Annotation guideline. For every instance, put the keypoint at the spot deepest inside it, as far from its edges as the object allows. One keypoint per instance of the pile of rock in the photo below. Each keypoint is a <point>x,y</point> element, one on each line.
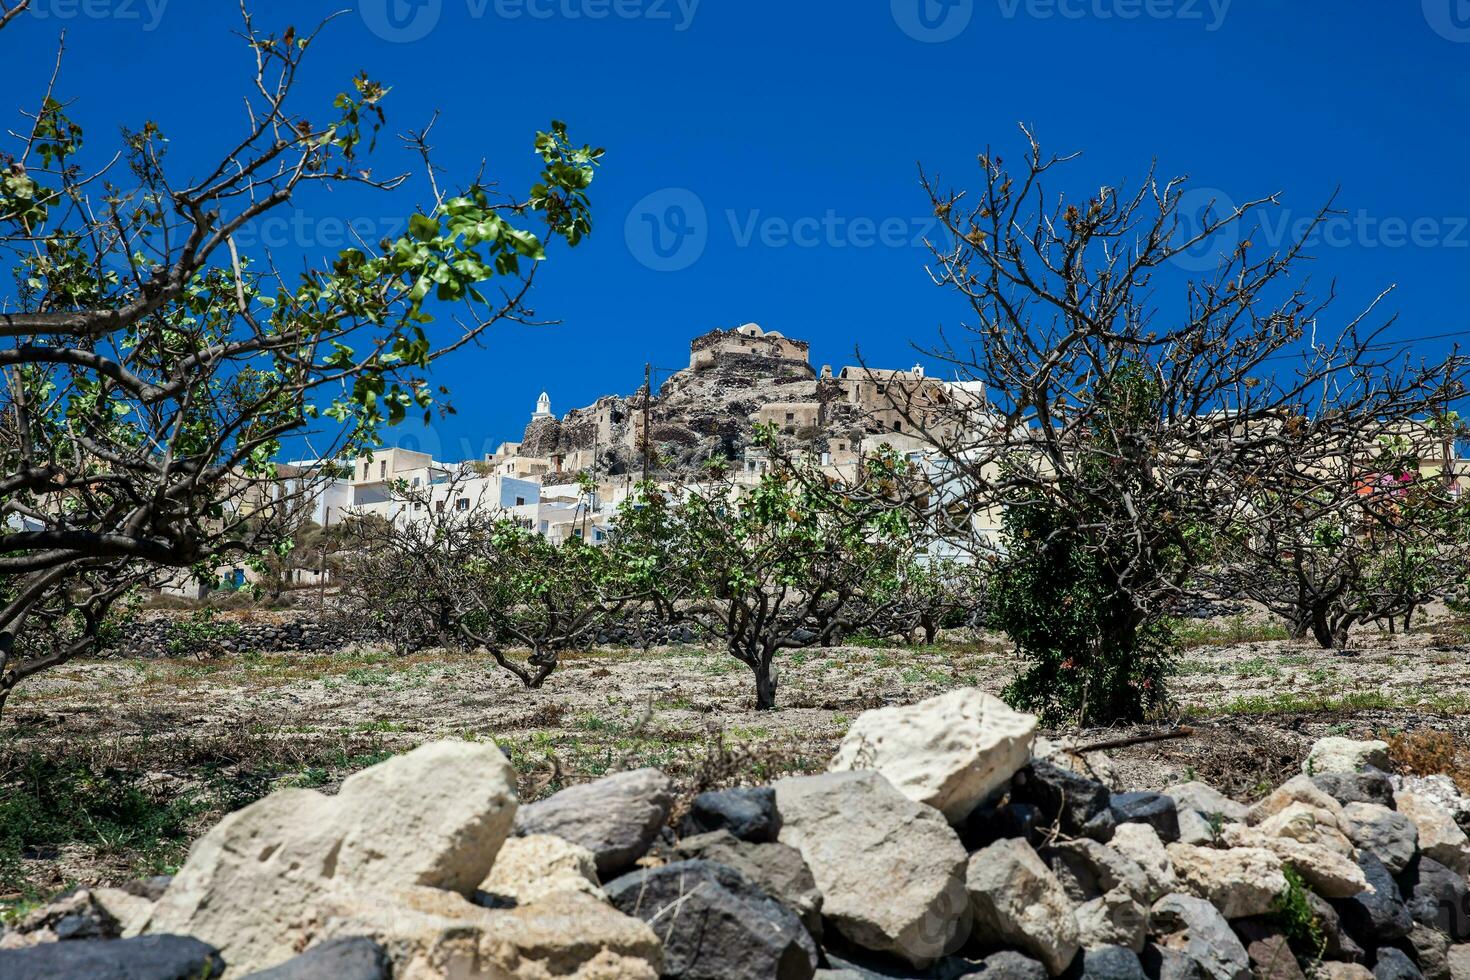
<point>945,841</point>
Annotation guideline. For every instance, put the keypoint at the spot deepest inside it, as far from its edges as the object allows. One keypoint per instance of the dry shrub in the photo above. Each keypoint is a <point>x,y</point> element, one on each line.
<point>1431,753</point>
<point>723,765</point>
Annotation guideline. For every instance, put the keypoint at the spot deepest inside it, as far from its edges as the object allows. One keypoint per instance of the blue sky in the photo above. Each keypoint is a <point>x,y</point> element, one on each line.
<point>786,137</point>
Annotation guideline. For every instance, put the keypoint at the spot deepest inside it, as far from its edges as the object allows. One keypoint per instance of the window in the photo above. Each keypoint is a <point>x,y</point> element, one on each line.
<point>897,426</point>
<point>367,470</point>
<point>382,468</point>
<point>438,506</point>
<point>842,447</point>
<point>461,504</point>
<point>791,416</point>
<point>415,482</point>
<point>418,505</point>
<point>520,501</point>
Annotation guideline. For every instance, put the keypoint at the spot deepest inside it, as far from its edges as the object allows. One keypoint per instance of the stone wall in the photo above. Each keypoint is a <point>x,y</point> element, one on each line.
<point>182,636</point>
<point>163,635</point>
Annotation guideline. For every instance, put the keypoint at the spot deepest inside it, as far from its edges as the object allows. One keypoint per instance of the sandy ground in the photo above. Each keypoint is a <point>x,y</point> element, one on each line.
<point>227,730</point>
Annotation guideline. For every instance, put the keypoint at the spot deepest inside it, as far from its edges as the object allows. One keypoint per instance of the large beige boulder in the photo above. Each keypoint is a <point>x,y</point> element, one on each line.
<point>1115,918</point>
<point>891,871</point>
<point>1297,789</point>
<point>1439,836</point>
<point>1017,901</point>
<point>1240,882</point>
<point>1337,754</point>
<point>950,751</point>
<point>1202,811</point>
<point>1330,872</point>
<point>1142,844</point>
<point>1307,824</point>
<point>530,868</point>
<point>253,886</point>
<point>437,935</point>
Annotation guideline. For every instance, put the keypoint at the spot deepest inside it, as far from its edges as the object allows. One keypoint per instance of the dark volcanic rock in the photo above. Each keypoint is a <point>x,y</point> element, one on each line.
<point>1154,809</point>
<point>776,869</point>
<point>615,817</point>
<point>989,824</point>
<point>143,958</point>
<point>1077,805</point>
<point>1369,786</point>
<point>1111,963</point>
<point>749,813</point>
<point>1437,897</point>
<point>1394,964</point>
<point>1377,916</point>
<point>348,958</point>
<point>715,924</point>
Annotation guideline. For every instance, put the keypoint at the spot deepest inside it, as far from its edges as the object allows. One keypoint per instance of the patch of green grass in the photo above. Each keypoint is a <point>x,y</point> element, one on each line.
<point>1292,703</point>
<point>1235,630</point>
<point>1257,667</point>
<point>379,725</point>
<point>364,677</point>
<point>48,803</point>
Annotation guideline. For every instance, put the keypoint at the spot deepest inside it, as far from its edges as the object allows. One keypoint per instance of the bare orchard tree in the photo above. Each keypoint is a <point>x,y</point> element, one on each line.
<point>1114,406</point>
<point>480,579</point>
<point>152,368</point>
<point>1349,532</point>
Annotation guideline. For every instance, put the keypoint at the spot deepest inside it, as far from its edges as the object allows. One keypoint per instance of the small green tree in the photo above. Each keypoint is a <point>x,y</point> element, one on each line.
<point>1052,596</point>
<point>783,564</point>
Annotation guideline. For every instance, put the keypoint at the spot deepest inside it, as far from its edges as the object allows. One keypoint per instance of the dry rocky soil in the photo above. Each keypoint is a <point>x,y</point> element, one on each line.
<point>109,768</point>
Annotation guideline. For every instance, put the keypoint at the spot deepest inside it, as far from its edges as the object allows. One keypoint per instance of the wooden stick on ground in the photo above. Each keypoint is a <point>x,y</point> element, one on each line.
<point>1183,731</point>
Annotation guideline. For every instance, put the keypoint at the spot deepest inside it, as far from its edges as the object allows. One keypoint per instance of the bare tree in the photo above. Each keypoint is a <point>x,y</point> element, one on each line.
<point>152,371</point>
<point>1130,402</point>
<point>480,579</point>
<point>1349,531</point>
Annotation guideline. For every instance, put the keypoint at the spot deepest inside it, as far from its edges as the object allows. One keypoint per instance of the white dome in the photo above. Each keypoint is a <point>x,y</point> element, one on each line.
<point>751,330</point>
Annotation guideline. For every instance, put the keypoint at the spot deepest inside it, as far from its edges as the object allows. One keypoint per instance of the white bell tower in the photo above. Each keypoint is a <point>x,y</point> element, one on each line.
<point>543,407</point>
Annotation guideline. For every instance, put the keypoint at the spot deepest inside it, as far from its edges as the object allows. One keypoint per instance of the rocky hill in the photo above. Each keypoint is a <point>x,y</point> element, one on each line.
<point>704,411</point>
